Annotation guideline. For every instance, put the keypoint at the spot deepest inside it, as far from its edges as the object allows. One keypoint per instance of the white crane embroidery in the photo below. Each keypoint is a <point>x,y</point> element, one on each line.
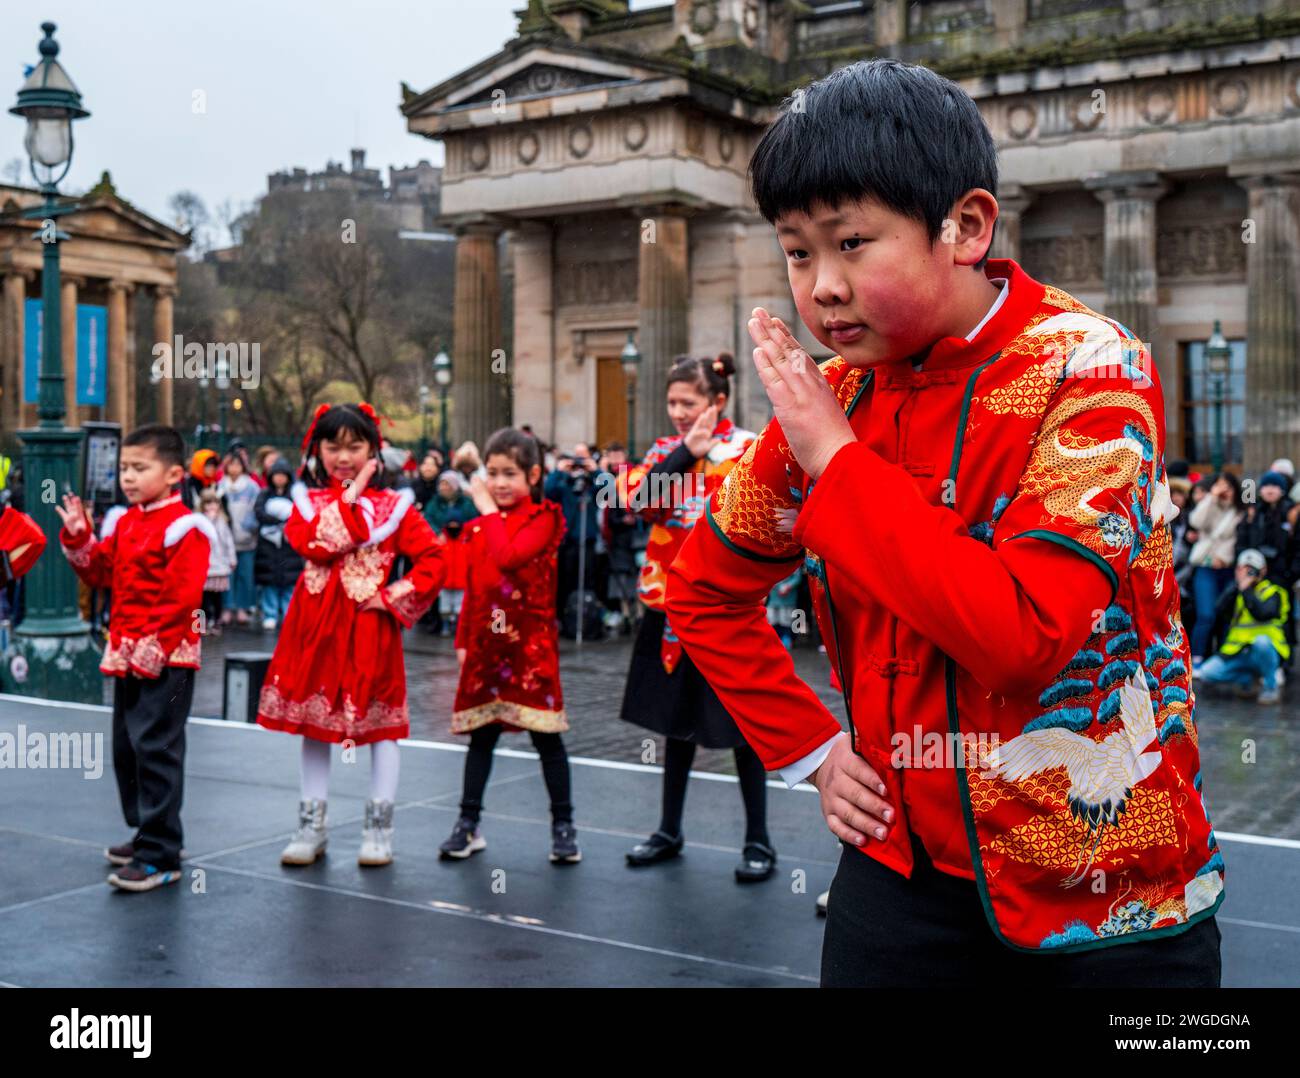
<point>1102,773</point>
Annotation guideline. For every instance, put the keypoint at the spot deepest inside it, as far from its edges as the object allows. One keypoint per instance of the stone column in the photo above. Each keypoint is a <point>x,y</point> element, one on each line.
<point>1129,258</point>
<point>533,357</point>
<point>479,395</point>
<point>119,396</point>
<point>1013,200</point>
<point>1272,318</point>
<point>12,318</point>
<point>163,296</point>
<point>68,319</point>
<point>663,284</point>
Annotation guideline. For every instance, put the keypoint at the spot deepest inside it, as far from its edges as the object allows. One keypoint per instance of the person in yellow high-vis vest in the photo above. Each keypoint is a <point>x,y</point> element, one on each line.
<point>1255,645</point>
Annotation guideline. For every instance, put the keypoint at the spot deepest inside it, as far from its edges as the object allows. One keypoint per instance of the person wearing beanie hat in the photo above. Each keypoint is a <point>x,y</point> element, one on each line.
<point>1267,526</point>
<point>1255,611</point>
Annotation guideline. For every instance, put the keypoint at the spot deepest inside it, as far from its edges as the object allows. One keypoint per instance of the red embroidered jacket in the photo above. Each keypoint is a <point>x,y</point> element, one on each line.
<point>155,559</point>
<point>21,539</point>
<point>991,567</point>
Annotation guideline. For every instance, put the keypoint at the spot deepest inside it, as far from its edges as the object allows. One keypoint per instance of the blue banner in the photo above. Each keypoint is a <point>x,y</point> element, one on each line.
<point>92,352</point>
<point>33,333</point>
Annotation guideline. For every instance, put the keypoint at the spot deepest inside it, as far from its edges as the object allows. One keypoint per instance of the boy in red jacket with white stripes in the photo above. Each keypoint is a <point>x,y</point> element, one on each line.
<point>154,556</point>
<point>977,478</point>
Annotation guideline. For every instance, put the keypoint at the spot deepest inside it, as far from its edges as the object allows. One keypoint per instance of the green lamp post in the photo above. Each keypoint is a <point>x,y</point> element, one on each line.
<point>631,365</point>
<point>442,375</point>
<point>1218,357</point>
<point>53,655</point>
<point>424,420</point>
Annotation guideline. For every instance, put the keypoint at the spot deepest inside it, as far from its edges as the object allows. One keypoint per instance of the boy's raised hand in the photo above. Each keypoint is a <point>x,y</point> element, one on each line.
<point>852,796</point>
<point>811,418</point>
<point>73,515</point>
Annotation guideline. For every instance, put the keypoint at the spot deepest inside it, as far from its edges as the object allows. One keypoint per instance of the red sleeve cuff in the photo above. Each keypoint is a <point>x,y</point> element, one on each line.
<point>73,544</point>
<point>851,473</point>
<point>354,521</point>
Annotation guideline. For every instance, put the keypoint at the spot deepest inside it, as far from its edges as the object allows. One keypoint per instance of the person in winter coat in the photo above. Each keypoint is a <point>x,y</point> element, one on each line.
<point>1215,518</point>
<point>221,562</point>
<point>239,492</point>
<point>276,565</point>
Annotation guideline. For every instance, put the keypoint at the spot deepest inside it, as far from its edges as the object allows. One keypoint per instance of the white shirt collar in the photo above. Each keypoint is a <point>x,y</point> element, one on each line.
<point>997,304</point>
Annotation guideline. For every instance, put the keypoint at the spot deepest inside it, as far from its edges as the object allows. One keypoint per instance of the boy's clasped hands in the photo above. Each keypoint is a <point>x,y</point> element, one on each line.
<point>816,428</point>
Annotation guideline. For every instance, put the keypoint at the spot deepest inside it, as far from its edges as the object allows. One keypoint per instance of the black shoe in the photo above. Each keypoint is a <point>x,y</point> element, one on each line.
<point>757,862</point>
<point>139,876</point>
<point>658,847</point>
<point>125,854</point>
<point>564,843</point>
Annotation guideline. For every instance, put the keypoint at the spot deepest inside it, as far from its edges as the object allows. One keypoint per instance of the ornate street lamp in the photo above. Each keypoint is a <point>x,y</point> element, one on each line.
<point>223,386</point>
<point>54,658</point>
<point>442,376</point>
<point>424,420</point>
<point>1218,357</point>
<point>631,365</point>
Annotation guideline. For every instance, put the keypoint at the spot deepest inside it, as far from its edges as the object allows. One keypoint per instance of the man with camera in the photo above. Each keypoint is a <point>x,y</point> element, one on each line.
<point>1255,610</point>
<point>574,485</point>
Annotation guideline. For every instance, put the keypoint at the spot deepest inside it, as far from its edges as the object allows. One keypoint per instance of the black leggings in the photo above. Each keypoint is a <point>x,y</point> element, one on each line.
<point>753,789</point>
<point>478,765</point>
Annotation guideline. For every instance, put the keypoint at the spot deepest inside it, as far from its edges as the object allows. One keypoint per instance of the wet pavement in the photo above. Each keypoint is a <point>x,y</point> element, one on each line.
<point>1250,753</point>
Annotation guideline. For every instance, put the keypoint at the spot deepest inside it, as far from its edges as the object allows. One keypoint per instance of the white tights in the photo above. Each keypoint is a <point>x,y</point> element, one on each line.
<point>385,761</point>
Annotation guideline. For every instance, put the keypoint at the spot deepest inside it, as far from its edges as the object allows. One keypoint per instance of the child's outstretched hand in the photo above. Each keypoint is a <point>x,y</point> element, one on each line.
<point>361,481</point>
<point>73,515</point>
<point>804,404</point>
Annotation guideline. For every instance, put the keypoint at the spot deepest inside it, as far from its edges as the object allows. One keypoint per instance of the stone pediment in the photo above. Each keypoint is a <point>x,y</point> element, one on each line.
<point>100,215</point>
<point>540,80</point>
<point>529,71</point>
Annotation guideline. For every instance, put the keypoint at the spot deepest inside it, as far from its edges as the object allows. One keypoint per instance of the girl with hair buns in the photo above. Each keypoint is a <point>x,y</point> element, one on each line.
<point>665,692</point>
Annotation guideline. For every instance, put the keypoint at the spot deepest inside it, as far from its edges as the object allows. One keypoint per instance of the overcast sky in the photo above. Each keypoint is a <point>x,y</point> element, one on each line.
<point>287,82</point>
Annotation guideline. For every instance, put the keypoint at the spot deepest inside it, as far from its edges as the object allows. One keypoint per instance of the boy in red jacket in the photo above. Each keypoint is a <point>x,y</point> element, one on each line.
<point>154,555</point>
<point>976,485</point>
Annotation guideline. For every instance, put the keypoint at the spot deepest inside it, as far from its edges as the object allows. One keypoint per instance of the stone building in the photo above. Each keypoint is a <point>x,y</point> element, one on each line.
<point>116,256</point>
<point>1150,161</point>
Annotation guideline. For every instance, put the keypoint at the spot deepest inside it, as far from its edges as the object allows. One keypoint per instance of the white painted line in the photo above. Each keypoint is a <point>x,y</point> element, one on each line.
<point>1257,924</point>
<point>513,921</point>
<point>54,897</point>
<point>1258,840</point>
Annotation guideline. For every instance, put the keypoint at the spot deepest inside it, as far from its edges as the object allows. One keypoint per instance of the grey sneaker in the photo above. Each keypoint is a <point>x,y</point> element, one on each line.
<point>564,844</point>
<point>463,841</point>
<point>308,842</point>
<point>377,835</point>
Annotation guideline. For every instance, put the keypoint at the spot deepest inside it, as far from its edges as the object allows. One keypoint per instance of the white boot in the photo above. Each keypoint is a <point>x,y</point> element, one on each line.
<point>308,842</point>
<point>377,835</point>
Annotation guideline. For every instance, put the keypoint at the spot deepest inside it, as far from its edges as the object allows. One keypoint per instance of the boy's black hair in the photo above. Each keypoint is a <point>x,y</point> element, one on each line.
<point>166,442</point>
<point>882,129</point>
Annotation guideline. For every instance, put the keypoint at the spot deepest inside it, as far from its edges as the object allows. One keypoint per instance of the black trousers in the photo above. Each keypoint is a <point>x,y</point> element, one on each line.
<point>149,759</point>
<point>478,766</point>
<point>884,931</point>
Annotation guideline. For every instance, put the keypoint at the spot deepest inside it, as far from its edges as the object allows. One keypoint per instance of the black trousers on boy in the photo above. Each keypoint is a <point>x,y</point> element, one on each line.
<point>885,931</point>
<point>149,759</point>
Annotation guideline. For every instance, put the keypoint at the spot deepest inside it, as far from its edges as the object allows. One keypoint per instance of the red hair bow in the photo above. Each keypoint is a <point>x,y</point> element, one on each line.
<point>311,429</point>
<point>375,417</point>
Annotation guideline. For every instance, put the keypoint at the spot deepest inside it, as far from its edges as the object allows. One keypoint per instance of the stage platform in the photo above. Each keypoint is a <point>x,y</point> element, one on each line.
<point>506,917</point>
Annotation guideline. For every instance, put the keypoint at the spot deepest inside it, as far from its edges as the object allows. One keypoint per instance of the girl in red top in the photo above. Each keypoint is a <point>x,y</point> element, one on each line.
<point>338,673</point>
<point>506,638</point>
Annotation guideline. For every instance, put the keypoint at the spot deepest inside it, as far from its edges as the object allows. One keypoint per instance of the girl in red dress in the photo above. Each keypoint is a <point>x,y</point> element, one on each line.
<point>506,638</point>
<point>338,673</point>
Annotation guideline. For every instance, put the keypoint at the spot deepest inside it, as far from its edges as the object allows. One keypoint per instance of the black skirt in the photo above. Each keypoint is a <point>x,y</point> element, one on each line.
<point>680,704</point>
